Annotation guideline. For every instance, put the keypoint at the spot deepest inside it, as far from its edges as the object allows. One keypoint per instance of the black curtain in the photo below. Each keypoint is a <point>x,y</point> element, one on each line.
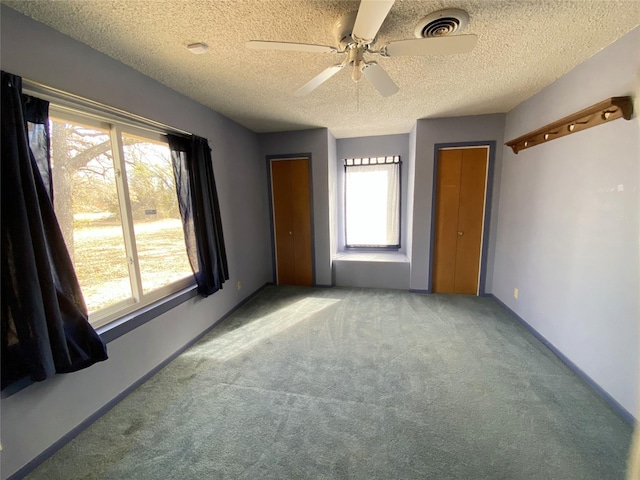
<point>45,328</point>
<point>200,211</point>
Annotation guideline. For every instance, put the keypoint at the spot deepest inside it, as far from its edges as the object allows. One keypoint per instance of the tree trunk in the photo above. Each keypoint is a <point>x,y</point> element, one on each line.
<point>62,183</point>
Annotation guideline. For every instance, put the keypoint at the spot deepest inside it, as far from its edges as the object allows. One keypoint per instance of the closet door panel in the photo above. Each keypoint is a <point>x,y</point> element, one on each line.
<point>290,185</point>
<point>283,221</point>
<point>301,202</point>
<point>459,219</point>
<point>446,234</point>
<point>470,219</point>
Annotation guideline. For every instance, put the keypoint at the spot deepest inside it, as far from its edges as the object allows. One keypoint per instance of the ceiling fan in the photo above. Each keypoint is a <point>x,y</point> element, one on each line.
<point>355,35</point>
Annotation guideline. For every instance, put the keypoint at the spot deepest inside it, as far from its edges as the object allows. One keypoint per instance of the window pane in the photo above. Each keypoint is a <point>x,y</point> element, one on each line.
<point>86,205</point>
<point>154,205</point>
<point>372,205</point>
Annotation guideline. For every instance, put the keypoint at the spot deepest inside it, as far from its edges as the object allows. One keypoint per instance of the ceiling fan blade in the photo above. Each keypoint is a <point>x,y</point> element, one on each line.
<point>318,80</point>
<point>371,14</point>
<point>380,79</point>
<point>432,46</point>
<point>294,47</point>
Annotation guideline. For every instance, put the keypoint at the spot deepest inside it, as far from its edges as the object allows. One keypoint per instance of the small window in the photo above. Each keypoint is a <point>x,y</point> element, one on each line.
<point>372,202</point>
<point>115,200</point>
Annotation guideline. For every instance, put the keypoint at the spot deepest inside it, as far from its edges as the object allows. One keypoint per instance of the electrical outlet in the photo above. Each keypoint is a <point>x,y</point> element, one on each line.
<point>515,293</point>
<point>239,285</point>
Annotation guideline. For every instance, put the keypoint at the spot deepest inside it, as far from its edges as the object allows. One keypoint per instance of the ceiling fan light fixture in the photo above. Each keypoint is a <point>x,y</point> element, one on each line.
<point>356,73</point>
<point>198,48</point>
<point>442,23</point>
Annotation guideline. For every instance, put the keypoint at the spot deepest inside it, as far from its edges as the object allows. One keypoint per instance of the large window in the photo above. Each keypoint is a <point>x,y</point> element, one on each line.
<point>372,202</point>
<point>116,203</point>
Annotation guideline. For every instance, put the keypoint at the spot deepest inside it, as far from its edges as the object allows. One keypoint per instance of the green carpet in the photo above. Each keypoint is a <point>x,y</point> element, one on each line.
<point>340,383</point>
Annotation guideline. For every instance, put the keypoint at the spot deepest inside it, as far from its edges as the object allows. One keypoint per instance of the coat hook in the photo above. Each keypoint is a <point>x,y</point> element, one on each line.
<point>608,109</point>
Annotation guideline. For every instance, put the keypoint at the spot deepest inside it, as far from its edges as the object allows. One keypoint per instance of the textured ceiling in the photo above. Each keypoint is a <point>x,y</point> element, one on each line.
<point>522,47</point>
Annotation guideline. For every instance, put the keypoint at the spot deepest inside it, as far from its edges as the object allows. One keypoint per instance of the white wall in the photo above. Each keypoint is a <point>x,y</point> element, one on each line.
<point>568,224</point>
<point>36,417</point>
<point>315,142</point>
<point>429,132</point>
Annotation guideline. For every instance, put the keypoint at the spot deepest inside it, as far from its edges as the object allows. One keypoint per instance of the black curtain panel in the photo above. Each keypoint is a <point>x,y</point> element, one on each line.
<point>200,211</point>
<point>36,113</point>
<point>45,328</point>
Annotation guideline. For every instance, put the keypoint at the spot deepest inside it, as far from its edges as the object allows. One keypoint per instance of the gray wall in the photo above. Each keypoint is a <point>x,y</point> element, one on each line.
<point>411,182</point>
<point>447,130</point>
<point>36,417</point>
<point>316,142</point>
<point>568,224</point>
<point>366,147</point>
<point>372,270</point>
<point>333,195</point>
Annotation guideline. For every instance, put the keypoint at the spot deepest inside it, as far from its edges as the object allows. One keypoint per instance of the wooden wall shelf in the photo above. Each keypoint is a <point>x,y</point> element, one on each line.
<point>597,114</point>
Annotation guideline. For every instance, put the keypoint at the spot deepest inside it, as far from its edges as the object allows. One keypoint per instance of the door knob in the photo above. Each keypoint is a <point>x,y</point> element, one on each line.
<point>460,233</point>
<point>290,232</point>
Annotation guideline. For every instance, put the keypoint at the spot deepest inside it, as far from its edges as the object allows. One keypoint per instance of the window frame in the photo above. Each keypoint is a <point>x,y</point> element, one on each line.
<point>373,161</point>
<point>138,300</point>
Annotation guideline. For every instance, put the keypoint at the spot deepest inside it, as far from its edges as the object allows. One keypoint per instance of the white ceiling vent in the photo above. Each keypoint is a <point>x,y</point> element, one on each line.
<point>441,23</point>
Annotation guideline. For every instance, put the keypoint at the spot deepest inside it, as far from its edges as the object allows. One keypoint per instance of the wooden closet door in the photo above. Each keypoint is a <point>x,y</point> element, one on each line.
<point>292,221</point>
<point>470,219</point>
<point>447,206</point>
<point>283,221</point>
<point>460,200</point>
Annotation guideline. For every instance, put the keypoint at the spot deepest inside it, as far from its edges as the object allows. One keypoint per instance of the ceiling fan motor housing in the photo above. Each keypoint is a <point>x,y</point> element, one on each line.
<point>442,23</point>
<point>343,28</point>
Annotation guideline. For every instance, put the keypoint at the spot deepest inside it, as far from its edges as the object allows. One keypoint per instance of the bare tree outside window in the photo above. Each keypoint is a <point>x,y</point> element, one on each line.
<point>89,208</point>
<point>158,228</point>
<point>86,205</point>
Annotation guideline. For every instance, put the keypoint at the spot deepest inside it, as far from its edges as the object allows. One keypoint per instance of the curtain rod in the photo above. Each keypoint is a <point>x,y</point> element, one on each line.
<point>70,100</point>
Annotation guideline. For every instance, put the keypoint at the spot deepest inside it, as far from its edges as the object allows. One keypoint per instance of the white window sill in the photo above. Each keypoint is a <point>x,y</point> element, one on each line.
<point>390,257</point>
